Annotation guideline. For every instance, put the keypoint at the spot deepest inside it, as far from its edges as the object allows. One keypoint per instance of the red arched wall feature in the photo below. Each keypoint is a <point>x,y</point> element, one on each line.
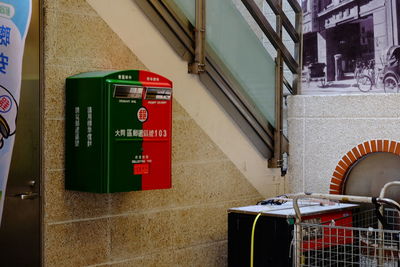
<point>357,152</point>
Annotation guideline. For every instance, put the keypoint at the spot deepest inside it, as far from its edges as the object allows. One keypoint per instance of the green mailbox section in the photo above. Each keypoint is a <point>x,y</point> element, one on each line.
<point>118,131</point>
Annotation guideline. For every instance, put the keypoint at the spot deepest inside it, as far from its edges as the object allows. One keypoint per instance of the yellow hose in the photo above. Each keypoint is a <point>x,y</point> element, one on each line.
<point>252,240</point>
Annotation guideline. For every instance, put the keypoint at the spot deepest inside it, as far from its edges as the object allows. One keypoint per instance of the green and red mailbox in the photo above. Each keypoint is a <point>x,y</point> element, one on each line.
<point>118,131</point>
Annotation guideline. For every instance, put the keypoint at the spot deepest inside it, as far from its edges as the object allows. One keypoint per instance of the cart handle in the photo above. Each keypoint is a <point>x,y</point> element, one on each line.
<point>386,186</point>
<point>341,198</point>
<point>380,211</point>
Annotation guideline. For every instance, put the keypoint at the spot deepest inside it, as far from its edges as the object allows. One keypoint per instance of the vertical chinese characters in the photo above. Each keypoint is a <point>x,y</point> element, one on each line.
<point>5,33</point>
<point>89,126</point>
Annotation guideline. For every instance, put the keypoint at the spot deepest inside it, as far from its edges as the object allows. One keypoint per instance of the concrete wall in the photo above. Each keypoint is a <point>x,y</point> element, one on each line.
<point>322,129</point>
<point>211,160</point>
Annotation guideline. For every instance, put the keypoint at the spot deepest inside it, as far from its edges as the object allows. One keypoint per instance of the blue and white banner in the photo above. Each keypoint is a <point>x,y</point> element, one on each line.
<point>15,16</point>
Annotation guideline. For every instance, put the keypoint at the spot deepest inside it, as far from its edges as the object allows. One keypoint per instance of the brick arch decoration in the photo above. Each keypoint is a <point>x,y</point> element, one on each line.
<point>350,158</point>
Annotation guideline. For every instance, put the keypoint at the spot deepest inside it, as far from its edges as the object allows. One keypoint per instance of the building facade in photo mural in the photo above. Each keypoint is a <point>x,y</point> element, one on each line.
<point>351,46</point>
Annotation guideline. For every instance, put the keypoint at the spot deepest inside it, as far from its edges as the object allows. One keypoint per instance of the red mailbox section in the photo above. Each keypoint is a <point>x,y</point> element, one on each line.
<point>156,116</point>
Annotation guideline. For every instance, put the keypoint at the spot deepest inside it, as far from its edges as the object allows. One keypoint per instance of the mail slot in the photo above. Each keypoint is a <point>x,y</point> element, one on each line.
<point>118,131</point>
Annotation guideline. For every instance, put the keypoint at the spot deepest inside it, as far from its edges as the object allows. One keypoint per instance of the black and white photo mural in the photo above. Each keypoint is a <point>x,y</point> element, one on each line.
<point>351,46</point>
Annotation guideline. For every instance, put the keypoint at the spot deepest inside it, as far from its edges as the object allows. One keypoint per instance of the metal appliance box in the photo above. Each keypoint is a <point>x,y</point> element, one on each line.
<point>118,131</point>
<point>273,238</point>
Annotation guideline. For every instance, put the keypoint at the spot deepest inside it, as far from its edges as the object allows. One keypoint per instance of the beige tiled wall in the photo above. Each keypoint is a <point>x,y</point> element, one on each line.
<point>182,226</point>
<point>322,129</point>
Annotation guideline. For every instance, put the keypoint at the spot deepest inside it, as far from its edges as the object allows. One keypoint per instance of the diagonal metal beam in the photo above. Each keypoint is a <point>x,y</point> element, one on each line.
<point>277,9</point>
<point>165,17</point>
<point>288,86</point>
<point>295,6</point>
<point>273,37</point>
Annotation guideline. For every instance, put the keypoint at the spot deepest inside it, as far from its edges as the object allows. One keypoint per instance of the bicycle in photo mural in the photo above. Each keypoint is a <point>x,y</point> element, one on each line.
<point>388,77</point>
<point>366,78</point>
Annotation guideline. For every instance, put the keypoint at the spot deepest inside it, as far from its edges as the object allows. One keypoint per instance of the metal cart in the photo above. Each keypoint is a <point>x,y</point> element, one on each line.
<point>366,238</point>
